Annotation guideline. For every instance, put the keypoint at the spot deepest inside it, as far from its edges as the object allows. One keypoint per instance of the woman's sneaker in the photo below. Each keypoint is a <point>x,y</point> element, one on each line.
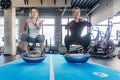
<point>23,52</point>
<point>42,53</point>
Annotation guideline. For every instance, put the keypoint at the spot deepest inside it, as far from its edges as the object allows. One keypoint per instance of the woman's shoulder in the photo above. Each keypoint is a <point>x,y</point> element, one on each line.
<point>27,21</point>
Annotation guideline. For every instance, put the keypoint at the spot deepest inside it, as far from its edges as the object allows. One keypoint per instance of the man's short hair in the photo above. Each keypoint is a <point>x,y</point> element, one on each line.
<point>75,9</point>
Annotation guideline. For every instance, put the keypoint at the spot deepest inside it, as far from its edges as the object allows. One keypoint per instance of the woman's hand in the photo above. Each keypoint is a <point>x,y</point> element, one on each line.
<point>40,24</point>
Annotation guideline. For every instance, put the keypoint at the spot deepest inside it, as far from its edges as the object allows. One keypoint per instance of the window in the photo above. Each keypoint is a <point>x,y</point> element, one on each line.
<point>105,22</point>
<point>115,29</point>
<point>64,21</point>
<point>48,30</point>
<point>116,19</point>
<point>103,27</point>
<point>64,31</point>
<point>1,31</point>
<point>48,21</point>
<point>17,29</point>
<point>114,33</point>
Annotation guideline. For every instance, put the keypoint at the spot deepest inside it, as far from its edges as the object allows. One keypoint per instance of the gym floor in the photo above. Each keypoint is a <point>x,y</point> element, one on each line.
<point>109,62</point>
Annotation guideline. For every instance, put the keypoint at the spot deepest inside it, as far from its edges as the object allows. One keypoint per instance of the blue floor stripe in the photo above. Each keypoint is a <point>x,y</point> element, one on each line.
<point>87,71</point>
<point>20,70</point>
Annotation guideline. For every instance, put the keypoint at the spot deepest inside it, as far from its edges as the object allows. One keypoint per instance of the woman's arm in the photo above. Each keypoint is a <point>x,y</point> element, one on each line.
<point>26,25</point>
<point>40,24</point>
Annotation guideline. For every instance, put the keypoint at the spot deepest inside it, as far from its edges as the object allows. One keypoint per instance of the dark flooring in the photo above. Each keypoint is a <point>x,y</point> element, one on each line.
<point>6,59</point>
<point>113,63</point>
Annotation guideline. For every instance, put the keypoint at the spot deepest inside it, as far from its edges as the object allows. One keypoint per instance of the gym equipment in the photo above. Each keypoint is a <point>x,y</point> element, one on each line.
<point>76,38</point>
<point>76,58</point>
<point>118,43</point>
<point>33,56</point>
<point>118,54</point>
<point>102,46</point>
<point>5,4</point>
<point>53,49</point>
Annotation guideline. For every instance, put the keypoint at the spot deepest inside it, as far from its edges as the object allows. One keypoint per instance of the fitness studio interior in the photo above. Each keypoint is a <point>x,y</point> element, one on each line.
<point>60,39</point>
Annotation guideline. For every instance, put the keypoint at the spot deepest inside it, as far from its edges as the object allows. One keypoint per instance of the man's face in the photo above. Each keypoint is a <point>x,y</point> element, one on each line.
<point>34,13</point>
<point>76,13</point>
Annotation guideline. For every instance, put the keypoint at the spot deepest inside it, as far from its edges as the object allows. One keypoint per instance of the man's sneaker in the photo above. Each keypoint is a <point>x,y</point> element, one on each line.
<point>67,53</point>
<point>85,52</point>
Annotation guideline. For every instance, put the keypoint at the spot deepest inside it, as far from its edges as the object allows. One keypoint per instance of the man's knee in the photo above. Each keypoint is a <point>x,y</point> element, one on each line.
<point>67,39</point>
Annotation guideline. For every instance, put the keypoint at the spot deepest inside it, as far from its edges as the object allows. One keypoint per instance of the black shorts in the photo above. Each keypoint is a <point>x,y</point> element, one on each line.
<point>77,40</point>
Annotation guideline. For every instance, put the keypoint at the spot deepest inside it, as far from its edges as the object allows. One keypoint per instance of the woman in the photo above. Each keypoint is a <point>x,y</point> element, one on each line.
<point>32,29</point>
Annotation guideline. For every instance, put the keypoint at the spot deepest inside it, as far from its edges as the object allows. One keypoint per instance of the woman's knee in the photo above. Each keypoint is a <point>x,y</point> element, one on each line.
<point>24,37</point>
<point>41,38</point>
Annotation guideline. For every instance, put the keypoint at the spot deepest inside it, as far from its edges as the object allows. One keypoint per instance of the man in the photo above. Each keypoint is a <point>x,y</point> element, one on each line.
<point>76,26</point>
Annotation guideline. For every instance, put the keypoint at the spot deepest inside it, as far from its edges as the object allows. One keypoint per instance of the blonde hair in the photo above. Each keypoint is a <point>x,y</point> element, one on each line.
<point>31,10</point>
<point>75,9</point>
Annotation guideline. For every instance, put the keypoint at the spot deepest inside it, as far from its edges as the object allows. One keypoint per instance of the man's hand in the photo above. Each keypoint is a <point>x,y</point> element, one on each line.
<point>77,19</point>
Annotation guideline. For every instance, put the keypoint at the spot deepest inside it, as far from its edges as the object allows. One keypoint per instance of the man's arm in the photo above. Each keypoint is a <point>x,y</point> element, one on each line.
<point>86,23</point>
<point>69,25</point>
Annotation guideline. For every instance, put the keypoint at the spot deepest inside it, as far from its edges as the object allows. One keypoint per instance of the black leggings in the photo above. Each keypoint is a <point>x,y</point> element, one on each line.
<point>83,41</point>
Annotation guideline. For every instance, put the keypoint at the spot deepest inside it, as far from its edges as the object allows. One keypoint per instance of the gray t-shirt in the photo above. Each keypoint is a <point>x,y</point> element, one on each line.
<point>33,30</point>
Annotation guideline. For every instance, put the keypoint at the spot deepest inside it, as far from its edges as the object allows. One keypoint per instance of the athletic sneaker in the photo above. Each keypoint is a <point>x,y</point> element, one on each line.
<point>42,53</point>
<point>23,52</point>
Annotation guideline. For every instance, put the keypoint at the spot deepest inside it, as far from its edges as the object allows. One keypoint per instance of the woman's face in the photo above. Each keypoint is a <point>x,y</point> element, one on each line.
<point>76,13</point>
<point>34,13</point>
